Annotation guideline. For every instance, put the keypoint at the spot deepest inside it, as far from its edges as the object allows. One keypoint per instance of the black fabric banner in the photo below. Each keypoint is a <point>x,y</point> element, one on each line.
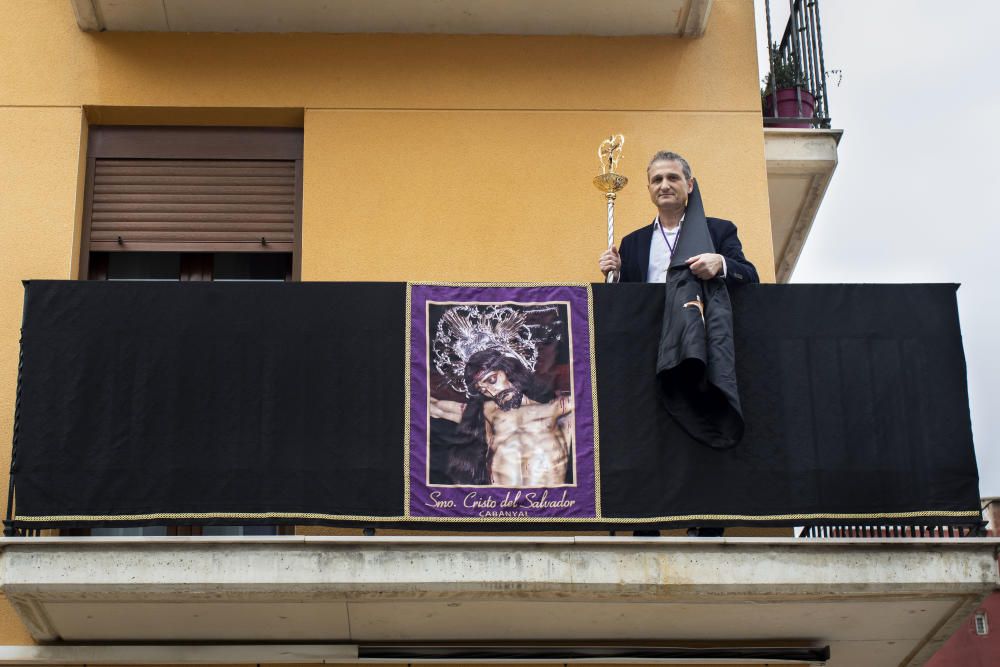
<point>855,402</point>
<point>152,403</point>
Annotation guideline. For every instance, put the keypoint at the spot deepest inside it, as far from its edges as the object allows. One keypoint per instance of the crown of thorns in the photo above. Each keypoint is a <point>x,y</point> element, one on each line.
<point>465,330</point>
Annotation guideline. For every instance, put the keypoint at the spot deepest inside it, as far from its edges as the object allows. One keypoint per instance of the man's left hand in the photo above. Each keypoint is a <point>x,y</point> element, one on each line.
<point>706,265</point>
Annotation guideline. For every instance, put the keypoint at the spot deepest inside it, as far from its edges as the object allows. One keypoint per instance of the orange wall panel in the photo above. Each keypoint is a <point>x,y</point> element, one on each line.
<point>505,195</point>
<point>49,61</point>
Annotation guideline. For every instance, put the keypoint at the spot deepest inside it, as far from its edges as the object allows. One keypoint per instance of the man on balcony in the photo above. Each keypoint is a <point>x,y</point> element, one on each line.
<point>646,253</point>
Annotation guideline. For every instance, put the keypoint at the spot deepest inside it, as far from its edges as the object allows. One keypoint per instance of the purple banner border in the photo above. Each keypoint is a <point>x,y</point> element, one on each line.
<point>489,503</point>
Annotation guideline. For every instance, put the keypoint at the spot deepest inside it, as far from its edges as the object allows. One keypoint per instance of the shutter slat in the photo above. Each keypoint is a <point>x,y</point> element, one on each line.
<point>193,180</point>
<point>203,237</point>
<point>201,164</point>
<point>256,227</point>
<point>141,170</point>
<point>187,198</point>
<point>192,246</point>
<point>162,207</point>
<point>163,204</point>
<point>194,189</point>
<point>194,217</point>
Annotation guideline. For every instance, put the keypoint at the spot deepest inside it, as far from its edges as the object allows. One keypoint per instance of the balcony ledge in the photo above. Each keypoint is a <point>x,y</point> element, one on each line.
<point>800,165</point>
<point>892,597</point>
<point>680,18</point>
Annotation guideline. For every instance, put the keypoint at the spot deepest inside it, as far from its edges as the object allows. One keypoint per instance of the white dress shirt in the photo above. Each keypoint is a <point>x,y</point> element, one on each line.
<point>659,253</point>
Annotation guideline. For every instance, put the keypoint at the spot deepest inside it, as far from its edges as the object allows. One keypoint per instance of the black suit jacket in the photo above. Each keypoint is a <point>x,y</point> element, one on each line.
<point>635,253</point>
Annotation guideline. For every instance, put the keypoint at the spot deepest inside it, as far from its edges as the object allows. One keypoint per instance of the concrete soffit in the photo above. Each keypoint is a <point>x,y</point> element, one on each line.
<point>93,600</point>
<point>86,15</point>
<point>271,654</point>
<point>678,18</point>
<point>800,165</point>
<point>697,18</point>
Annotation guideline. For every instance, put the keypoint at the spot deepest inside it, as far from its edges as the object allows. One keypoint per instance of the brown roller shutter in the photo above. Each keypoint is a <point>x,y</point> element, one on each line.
<point>156,204</point>
<point>183,189</point>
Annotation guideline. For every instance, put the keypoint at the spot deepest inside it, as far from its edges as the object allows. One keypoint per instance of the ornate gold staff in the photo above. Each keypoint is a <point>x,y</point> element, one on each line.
<point>608,182</point>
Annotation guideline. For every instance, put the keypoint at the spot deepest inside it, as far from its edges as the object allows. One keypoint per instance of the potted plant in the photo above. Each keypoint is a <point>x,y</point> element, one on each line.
<point>784,86</point>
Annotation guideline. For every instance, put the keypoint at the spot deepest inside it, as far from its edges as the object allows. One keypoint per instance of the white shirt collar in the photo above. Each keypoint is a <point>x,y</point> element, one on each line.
<point>656,224</point>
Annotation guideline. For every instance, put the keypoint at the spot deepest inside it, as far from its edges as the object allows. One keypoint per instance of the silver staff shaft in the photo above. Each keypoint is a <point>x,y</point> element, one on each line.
<point>608,182</point>
<point>611,231</point>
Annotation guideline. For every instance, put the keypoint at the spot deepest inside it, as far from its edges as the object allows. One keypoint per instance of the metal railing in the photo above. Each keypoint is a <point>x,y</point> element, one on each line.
<point>894,531</point>
<point>797,72</point>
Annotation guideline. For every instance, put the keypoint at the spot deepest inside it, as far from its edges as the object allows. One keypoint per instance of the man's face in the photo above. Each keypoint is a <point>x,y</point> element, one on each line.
<point>667,186</point>
<point>496,385</point>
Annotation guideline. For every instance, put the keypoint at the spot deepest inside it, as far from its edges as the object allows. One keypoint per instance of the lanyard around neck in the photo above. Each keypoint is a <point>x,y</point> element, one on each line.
<point>677,238</point>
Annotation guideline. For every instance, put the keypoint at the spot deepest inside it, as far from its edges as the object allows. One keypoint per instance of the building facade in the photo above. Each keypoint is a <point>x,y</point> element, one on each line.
<point>415,145</point>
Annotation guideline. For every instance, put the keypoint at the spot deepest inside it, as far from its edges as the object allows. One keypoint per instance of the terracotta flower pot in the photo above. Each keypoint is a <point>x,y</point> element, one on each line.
<point>788,107</point>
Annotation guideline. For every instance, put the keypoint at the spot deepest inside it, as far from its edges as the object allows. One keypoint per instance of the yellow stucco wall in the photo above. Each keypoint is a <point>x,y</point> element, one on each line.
<point>426,157</point>
<point>40,163</point>
<point>49,61</point>
<point>437,157</point>
<point>503,195</point>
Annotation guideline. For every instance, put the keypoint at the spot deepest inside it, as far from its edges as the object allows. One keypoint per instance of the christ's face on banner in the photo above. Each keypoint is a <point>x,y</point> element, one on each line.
<point>667,186</point>
<point>497,386</point>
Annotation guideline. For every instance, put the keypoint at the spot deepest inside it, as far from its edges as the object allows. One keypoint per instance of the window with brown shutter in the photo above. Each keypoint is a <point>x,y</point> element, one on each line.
<point>192,190</point>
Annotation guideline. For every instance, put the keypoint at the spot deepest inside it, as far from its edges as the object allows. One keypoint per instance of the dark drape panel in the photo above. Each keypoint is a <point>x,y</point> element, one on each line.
<point>204,399</point>
<point>190,398</point>
<point>854,396</point>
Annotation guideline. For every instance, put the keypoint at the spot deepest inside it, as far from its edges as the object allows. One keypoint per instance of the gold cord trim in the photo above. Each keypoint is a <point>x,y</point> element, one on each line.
<point>599,519</point>
<point>593,402</point>
<point>450,284</point>
<point>499,519</point>
<point>406,402</point>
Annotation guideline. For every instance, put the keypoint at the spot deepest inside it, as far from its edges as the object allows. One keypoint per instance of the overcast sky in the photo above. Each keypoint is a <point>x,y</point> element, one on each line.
<point>914,196</point>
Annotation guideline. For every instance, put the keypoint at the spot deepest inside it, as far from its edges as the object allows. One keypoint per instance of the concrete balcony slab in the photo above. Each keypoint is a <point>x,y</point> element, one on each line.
<point>800,164</point>
<point>897,597</point>
<point>680,18</point>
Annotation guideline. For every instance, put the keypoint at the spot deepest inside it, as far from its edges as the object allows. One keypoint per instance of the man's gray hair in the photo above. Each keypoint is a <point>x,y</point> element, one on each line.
<point>665,156</point>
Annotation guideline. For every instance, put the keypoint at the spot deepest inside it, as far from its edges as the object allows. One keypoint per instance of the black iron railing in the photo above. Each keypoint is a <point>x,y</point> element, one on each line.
<point>795,93</point>
<point>894,531</point>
